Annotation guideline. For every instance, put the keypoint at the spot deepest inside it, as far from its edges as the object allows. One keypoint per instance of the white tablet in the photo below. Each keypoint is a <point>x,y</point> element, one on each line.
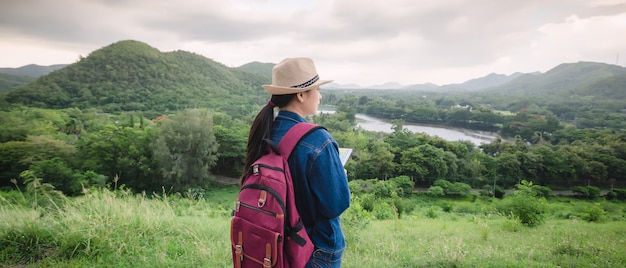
<point>344,155</point>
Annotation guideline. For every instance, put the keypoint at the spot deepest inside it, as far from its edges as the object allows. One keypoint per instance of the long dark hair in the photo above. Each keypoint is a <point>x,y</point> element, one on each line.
<point>262,129</point>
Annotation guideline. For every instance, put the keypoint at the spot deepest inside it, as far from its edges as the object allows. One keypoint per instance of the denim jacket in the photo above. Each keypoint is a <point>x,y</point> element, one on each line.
<point>320,182</point>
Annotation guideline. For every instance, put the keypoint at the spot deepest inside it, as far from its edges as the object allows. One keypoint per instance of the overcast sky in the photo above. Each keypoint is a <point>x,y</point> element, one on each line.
<point>352,41</point>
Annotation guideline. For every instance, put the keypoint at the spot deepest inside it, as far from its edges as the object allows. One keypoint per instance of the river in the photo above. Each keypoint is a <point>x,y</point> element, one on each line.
<point>447,133</point>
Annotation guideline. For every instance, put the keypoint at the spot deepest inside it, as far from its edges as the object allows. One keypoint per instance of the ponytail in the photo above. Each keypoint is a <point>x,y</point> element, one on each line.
<point>262,129</point>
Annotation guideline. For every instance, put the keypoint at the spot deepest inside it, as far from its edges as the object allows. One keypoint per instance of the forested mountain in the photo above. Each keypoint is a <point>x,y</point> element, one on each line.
<point>9,81</point>
<point>133,76</point>
<point>33,70</point>
<point>11,78</point>
<point>491,80</point>
<point>263,69</point>
<point>566,79</point>
<point>579,78</point>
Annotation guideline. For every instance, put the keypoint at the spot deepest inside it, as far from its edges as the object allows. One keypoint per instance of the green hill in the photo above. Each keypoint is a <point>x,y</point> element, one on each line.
<point>568,79</point>
<point>133,76</point>
<point>9,81</point>
<point>263,69</point>
<point>32,70</point>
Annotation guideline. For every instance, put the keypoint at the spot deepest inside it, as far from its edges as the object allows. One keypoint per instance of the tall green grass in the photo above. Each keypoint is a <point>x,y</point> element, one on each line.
<point>121,229</point>
<point>454,241</point>
<point>107,229</point>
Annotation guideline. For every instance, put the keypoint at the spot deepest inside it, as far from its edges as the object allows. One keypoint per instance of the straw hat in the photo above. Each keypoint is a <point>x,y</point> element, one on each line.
<point>293,75</point>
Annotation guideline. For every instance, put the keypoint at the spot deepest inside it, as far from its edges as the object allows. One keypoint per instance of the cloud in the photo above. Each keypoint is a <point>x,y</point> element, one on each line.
<point>405,41</point>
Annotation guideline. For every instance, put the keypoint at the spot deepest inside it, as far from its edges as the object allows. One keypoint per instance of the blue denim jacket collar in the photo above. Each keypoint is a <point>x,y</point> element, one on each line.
<point>289,115</point>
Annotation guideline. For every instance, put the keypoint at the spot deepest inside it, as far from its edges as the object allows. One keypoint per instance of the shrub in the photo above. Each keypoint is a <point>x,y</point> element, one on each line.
<point>458,189</point>
<point>444,184</point>
<point>368,201</point>
<point>400,186</point>
<point>13,198</point>
<point>525,206</point>
<point>355,216</point>
<point>403,205</point>
<point>56,172</point>
<point>358,187</point>
<point>616,194</point>
<point>431,213</point>
<point>453,189</point>
<point>542,191</point>
<point>403,185</point>
<point>384,211</point>
<point>435,191</point>
<point>586,192</point>
<point>594,192</point>
<point>593,213</point>
<point>382,189</point>
<point>580,191</point>
<point>195,193</point>
<point>446,206</point>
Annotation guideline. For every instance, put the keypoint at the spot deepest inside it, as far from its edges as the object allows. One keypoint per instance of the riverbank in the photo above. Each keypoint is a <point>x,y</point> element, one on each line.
<point>447,133</point>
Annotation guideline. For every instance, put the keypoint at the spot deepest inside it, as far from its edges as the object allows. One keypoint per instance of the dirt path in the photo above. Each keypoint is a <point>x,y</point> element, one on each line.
<point>226,180</point>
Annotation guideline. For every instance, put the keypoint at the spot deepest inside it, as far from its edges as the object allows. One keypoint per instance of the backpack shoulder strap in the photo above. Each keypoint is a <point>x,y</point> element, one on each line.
<point>294,135</point>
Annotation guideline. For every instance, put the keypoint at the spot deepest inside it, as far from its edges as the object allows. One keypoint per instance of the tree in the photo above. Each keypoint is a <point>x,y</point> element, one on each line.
<point>424,162</point>
<point>509,167</point>
<point>232,149</point>
<point>411,163</point>
<point>11,164</point>
<point>56,172</point>
<point>122,152</point>
<point>186,149</point>
<point>381,159</point>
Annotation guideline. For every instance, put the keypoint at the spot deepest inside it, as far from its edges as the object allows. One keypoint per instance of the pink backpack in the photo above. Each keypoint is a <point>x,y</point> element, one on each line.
<point>266,229</point>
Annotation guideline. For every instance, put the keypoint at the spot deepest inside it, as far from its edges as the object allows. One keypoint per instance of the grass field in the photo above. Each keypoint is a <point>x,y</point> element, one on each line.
<point>120,229</point>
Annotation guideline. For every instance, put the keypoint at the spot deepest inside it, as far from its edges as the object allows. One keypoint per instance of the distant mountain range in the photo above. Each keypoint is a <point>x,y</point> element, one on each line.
<point>32,70</point>
<point>15,77</point>
<point>133,75</point>
<point>491,80</point>
<point>591,79</point>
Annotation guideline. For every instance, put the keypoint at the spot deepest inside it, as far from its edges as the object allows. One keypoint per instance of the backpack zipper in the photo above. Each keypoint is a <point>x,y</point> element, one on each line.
<point>239,203</point>
<point>255,168</point>
<point>280,201</point>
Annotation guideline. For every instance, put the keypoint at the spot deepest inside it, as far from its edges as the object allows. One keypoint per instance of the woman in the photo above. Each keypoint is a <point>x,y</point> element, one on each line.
<point>320,182</point>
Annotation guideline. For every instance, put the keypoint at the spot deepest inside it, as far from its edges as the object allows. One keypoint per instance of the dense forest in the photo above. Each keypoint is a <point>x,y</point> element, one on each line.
<point>128,115</point>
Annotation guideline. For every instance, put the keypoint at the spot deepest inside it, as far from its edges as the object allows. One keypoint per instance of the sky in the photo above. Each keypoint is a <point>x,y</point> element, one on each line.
<point>351,41</point>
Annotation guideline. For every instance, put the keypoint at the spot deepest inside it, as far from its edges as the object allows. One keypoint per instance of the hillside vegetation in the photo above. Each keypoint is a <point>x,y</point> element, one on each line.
<point>9,81</point>
<point>262,69</point>
<point>32,70</point>
<point>126,110</point>
<point>132,76</point>
<point>11,78</point>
